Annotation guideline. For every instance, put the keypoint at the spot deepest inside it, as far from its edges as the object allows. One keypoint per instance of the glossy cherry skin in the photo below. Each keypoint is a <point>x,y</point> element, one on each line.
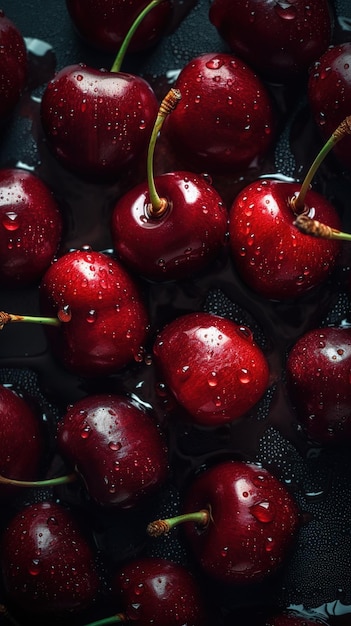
<point>182,241</point>
<point>223,96</point>
<point>280,40</point>
<point>96,122</point>
<point>22,442</point>
<point>13,66</point>
<point>212,366</point>
<point>116,447</point>
<point>271,255</point>
<point>158,592</point>
<point>105,23</point>
<point>318,372</point>
<point>30,227</point>
<point>329,93</point>
<point>48,565</point>
<point>254,522</point>
<point>104,319</point>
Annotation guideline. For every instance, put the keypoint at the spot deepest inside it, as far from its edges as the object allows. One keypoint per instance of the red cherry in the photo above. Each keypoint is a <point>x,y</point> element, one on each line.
<point>239,520</point>
<point>271,255</point>
<point>105,23</point>
<point>319,384</point>
<point>329,93</point>
<point>103,318</point>
<point>22,443</point>
<point>280,40</point>
<point>222,95</point>
<point>212,366</point>
<point>13,66</point>
<point>48,565</point>
<point>30,227</point>
<point>116,447</point>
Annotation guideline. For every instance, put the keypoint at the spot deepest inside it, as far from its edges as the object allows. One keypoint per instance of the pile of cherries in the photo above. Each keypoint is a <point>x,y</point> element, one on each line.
<point>175,354</point>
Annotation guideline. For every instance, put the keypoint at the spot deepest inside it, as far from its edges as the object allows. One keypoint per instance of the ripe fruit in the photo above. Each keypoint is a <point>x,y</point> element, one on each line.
<point>212,366</point>
<point>280,40</point>
<point>116,447</point>
<point>223,96</point>
<point>239,521</point>
<point>13,66</point>
<point>169,236</point>
<point>31,227</point>
<point>105,23</point>
<point>48,565</point>
<point>329,93</point>
<point>22,442</point>
<point>318,378</point>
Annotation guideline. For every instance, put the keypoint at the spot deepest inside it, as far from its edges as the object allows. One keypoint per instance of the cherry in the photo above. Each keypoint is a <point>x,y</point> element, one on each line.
<point>212,366</point>
<point>280,40</point>
<point>31,227</point>
<point>222,95</point>
<point>168,237</point>
<point>116,447</point>
<point>329,93</point>
<point>22,442</point>
<point>270,252</point>
<point>239,520</point>
<point>48,565</point>
<point>318,378</point>
<point>98,122</point>
<point>13,66</point>
<point>105,23</point>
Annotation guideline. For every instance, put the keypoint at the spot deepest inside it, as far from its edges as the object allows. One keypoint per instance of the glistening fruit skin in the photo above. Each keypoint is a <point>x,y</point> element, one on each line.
<point>271,255</point>
<point>212,366</point>
<point>48,565</point>
<point>30,227</point>
<point>22,442</point>
<point>254,522</point>
<point>13,66</point>
<point>105,23</point>
<point>116,447</point>
<point>182,241</point>
<point>104,319</point>
<point>97,122</point>
<point>329,93</point>
<point>280,40</point>
<point>318,379</point>
<point>159,592</point>
<point>223,96</point>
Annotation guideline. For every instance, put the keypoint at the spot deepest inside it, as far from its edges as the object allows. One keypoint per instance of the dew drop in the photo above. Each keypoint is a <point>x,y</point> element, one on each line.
<point>244,376</point>
<point>263,511</point>
<point>285,10</point>
<point>10,221</point>
<point>212,379</point>
<point>65,313</point>
<point>34,568</point>
<point>215,63</point>
<point>115,445</point>
<point>91,317</point>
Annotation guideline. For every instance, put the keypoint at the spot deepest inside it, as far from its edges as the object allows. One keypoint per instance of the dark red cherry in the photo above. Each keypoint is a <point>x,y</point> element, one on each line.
<point>116,447</point>
<point>30,227</point>
<point>13,66</point>
<point>225,120</point>
<point>47,563</point>
<point>280,40</point>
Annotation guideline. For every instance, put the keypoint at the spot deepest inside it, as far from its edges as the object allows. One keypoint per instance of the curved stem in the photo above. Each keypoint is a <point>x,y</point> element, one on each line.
<point>49,482</point>
<point>126,41</point>
<point>298,202</point>
<point>158,206</point>
<point>314,228</point>
<point>6,318</point>
<point>114,619</point>
<point>163,526</point>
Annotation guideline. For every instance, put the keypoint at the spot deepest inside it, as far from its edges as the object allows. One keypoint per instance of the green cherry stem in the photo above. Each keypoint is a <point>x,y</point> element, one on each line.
<point>49,482</point>
<point>117,64</point>
<point>119,618</point>
<point>298,201</point>
<point>6,318</point>
<point>314,228</point>
<point>158,206</point>
<point>163,526</point>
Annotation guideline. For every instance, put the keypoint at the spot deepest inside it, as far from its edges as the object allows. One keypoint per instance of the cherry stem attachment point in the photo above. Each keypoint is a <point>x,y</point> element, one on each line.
<point>298,201</point>
<point>163,526</point>
<point>49,482</point>
<point>6,318</point>
<point>158,206</point>
<point>117,64</point>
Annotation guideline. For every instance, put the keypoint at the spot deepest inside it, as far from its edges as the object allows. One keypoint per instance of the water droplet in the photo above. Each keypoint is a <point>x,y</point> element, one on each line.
<point>212,379</point>
<point>85,431</point>
<point>34,568</point>
<point>65,313</point>
<point>115,445</point>
<point>285,10</point>
<point>215,63</point>
<point>244,376</point>
<point>263,511</point>
<point>10,221</point>
<point>91,317</point>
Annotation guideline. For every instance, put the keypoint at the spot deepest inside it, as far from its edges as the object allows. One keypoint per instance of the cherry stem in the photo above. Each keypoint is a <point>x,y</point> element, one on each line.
<point>314,228</point>
<point>48,482</point>
<point>117,64</point>
<point>6,318</point>
<point>298,201</point>
<point>164,526</point>
<point>158,206</point>
<point>114,619</point>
